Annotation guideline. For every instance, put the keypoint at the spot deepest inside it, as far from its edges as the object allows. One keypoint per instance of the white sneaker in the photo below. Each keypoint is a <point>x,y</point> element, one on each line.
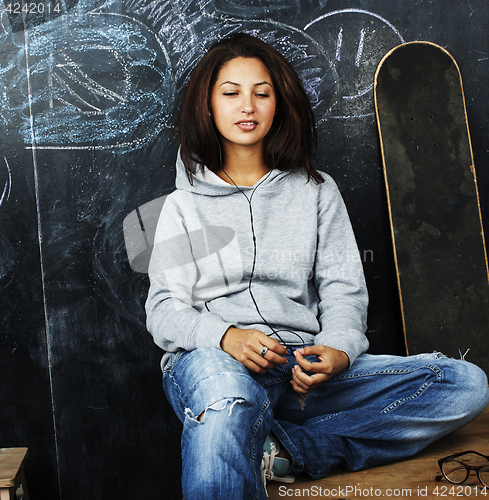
<point>274,468</point>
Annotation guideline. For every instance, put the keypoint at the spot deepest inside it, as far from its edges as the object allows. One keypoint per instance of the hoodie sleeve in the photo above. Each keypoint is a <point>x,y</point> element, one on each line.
<point>339,277</point>
<point>171,317</point>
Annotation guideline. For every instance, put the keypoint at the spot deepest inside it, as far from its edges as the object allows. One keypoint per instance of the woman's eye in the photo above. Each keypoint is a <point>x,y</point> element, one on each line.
<point>263,95</point>
<point>230,93</point>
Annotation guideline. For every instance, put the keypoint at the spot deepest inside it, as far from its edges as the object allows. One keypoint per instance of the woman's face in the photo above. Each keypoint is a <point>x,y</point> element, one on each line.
<point>243,103</point>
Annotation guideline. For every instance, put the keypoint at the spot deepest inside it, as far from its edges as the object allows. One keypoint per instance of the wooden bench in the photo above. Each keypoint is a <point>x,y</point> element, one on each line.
<point>12,461</point>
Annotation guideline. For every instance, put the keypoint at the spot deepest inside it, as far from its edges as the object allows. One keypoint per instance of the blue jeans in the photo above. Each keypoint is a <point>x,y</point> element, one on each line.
<point>383,408</point>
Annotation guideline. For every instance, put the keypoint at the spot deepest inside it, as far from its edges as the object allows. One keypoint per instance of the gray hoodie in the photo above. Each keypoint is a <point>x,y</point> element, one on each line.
<point>307,276</point>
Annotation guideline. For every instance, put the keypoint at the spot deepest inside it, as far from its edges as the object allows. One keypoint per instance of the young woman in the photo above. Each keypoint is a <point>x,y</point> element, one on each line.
<point>258,299</point>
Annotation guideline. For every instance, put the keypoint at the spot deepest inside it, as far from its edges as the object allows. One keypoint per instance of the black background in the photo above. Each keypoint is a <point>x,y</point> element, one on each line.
<point>87,102</point>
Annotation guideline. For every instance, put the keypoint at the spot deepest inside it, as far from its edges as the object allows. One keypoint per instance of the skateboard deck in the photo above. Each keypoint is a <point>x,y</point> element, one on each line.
<point>433,202</point>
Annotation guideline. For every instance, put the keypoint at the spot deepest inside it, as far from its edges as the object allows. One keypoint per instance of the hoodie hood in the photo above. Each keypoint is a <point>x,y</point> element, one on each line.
<point>206,182</point>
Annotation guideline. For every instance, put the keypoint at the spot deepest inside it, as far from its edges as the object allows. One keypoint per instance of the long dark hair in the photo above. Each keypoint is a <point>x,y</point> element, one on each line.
<point>291,139</point>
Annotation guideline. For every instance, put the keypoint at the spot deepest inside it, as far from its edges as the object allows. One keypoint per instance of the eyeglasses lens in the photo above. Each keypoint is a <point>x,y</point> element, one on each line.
<point>484,476</point>
<point>455,471</point>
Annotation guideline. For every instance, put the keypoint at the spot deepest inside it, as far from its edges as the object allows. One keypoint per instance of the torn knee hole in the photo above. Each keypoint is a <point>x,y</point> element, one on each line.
<point>216,406</point>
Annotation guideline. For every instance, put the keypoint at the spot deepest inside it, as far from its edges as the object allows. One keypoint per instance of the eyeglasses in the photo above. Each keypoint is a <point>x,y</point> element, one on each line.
<point>457,470</point>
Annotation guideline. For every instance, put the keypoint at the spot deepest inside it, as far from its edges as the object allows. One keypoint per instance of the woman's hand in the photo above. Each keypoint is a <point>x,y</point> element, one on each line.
<point>246,346</point>
<point>331,362</point>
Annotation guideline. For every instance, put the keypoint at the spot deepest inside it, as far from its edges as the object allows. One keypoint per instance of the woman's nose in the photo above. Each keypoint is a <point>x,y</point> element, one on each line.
<point>247,106</point>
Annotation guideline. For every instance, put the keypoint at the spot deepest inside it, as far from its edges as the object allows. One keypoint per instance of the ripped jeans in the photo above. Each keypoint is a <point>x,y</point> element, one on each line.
<point>381,409</point>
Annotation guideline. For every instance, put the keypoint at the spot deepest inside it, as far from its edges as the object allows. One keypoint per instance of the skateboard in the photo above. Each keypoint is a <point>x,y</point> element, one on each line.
<point>433,202</point>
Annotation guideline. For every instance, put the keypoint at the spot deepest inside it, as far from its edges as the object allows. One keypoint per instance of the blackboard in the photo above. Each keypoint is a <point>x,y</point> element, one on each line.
<point>89,93</point>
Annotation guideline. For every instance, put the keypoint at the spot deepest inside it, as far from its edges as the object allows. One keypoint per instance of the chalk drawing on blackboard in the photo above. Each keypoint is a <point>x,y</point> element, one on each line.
<point>96,81</point>
<point>8,184</point>
<point>260,8</point>
<point>356,41</point>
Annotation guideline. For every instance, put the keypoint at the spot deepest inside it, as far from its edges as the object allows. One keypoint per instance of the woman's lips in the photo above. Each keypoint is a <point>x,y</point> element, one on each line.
<point>247,125</point>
